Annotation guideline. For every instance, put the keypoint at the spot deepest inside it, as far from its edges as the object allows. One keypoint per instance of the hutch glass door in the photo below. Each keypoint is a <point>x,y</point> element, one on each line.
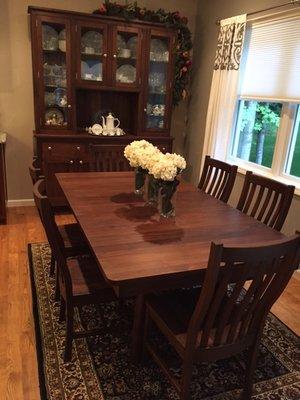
<point>126,56</point>
<point>93,52</point>
<point>157,108</point>
<point>54,73</point>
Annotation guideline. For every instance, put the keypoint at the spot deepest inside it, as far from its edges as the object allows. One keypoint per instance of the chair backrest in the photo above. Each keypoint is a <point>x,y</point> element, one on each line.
<point>217,178</point>
<point>34,172</point>
<point>266,200</point>
<point>235,317</point>
<point>54,238</point>
<point>108,158</point>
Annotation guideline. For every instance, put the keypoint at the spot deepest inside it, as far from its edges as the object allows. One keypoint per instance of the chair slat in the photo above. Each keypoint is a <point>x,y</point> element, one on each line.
<point>275,205</point>
<point>258,200</point>
<point>272,208</point>
<point>217,178</point>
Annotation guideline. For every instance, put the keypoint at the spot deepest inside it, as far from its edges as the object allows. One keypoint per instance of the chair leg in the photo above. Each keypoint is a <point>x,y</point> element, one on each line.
<point>187,369</point>
<point>147,325</point>
<point>62,310</point>
<point>69,332</point>
<point>52,265</point>
<point>251,364</point>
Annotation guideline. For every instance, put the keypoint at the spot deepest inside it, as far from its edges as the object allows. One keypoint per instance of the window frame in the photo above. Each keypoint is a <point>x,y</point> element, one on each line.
<point>282,149</point>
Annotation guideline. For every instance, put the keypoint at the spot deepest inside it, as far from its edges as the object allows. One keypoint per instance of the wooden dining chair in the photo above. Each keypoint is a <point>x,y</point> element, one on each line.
<point>108,158</point>
<point>79,278</point>
<point>266,200</point>
<point>218,323</point>
<point>217,178</point>
<point>73,241</point>
<point>34,172</point>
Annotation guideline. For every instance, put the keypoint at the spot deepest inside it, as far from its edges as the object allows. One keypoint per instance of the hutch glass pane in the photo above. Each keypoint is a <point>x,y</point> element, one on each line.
<point>55,73</point>
<point>158,73</point>
<point>92,54</point>
<point>126,57</point>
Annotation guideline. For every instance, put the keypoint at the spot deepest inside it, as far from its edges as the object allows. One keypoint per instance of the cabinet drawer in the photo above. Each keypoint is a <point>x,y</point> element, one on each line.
<point>65,151</point>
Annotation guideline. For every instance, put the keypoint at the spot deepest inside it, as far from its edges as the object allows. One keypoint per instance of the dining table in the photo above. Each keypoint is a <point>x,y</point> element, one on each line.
<point>140,252</point>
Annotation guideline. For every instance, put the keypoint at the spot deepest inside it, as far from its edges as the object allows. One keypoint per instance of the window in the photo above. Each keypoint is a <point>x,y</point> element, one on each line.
<point>256,131</point>
<point>293,160</point>
<point>266,131</point>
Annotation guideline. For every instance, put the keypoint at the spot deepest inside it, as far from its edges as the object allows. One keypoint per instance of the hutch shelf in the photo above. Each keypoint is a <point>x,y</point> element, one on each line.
<point>85,66</point>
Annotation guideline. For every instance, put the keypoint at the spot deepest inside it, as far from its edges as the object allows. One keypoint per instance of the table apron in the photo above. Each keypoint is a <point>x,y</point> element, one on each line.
<point>161,283</point>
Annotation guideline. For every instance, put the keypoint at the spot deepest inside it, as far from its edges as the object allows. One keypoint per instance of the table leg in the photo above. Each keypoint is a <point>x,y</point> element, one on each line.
<point>138,328</point>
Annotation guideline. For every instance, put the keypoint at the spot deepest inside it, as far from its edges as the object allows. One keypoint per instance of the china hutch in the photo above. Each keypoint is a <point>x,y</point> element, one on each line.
<point>87,65</point>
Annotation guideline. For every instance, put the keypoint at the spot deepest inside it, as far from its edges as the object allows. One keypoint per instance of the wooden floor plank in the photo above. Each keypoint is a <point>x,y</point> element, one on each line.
<point>18,365</point>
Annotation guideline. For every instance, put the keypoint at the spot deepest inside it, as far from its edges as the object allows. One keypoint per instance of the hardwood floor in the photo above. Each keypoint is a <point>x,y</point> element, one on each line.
<point>18,366</point>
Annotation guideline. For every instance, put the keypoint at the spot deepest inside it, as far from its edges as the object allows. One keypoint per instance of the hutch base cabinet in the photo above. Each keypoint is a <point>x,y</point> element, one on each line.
<point>70,153</point>
<point>86,66</point>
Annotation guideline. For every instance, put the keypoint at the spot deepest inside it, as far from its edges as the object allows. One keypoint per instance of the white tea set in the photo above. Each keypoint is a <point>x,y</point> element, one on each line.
<point>108,127</point>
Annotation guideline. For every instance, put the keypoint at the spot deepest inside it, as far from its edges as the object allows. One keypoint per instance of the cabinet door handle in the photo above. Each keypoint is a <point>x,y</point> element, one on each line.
<point>115,56</point>
<point>49,148</point>
<point>71,162</point>
<point>78,148</point>
<point>104,55</point>
<point>145,109</point>
<point>69,106</point>
<point>80,162</point>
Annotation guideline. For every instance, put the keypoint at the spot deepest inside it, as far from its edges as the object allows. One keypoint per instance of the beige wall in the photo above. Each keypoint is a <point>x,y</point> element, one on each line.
<point>204,51</point>
<point>16,94</point>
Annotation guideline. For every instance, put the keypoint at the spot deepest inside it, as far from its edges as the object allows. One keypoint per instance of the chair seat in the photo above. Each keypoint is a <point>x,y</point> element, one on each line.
<point>173,311</point>
<point>87,278</point>
<point>73,238</point>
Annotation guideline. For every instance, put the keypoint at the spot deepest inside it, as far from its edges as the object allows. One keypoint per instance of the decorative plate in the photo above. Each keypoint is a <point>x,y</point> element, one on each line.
<point>121,43</point>
<point>157,81</point>
<point>92,42</point>
<point>49,99</point>
<point>50,38</point>
<point>60,97</point>
<point>97,129</point>
<point>126,74</point>
<point>132,45</point>
<point>62,40</point>
<point>91,70</point>
<point>158,50</point>
<point>53,116</point>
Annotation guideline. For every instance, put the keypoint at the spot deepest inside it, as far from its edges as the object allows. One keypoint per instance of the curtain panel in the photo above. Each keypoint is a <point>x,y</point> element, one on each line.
<point>224,88</point>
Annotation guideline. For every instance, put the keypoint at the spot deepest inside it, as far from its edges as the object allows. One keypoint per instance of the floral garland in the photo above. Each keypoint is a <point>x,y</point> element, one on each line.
<point>170,19</point>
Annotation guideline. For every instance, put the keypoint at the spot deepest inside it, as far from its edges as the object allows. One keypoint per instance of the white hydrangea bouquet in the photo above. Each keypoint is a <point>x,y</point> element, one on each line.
<point>139,153</point>
<point>162,169</point>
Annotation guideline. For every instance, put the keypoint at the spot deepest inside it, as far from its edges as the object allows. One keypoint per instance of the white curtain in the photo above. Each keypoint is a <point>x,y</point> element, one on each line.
<point>224,88</point>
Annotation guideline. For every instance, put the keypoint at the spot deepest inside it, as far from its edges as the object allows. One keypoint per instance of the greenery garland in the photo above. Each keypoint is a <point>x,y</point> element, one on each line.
<point>183,62</point>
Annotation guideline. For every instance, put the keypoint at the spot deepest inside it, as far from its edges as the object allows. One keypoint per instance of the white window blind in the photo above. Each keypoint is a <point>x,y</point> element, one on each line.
<point>271,69</point>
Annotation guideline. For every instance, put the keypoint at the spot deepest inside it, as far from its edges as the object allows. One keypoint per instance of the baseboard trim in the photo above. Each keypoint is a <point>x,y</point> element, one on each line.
<point>20,203</point>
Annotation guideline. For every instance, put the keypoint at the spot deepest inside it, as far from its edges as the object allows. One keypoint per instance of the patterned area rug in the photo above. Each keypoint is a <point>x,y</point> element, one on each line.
<point>101,367</point>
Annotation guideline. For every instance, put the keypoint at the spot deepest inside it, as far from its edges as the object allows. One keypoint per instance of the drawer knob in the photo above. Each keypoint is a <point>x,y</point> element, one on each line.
<point>105,55</point>
<point>69,106</point>
<point>71,162</point>
<point>49,148</point>
<point>78,148</point>
<point>80,162</point>
<point>115,56</point>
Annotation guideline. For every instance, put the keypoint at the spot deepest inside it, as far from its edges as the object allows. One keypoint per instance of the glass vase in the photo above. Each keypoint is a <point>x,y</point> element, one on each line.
<point>152,186</point>
<point>167,198</point>
<point>140,177</point>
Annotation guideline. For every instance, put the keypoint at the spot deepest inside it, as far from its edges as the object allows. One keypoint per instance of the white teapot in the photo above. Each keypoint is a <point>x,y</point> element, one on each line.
<point>108,124</point>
